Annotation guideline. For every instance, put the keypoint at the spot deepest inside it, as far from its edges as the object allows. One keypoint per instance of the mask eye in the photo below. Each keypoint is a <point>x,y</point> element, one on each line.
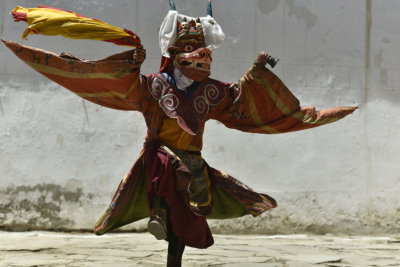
<point>188,48</point>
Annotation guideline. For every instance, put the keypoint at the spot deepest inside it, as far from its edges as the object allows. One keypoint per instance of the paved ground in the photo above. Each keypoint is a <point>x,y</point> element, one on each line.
<point>61,249</point>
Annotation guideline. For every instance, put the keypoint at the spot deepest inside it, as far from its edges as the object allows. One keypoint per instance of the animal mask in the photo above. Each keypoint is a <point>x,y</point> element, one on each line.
<point>187,43</point>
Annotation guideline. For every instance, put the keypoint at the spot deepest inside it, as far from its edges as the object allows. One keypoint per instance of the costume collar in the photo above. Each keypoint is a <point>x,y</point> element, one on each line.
<point>169,76</point>
<point>189,112</point>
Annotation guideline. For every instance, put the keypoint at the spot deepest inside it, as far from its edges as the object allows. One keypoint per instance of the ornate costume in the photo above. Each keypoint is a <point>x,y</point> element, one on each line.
<point>170,182</point>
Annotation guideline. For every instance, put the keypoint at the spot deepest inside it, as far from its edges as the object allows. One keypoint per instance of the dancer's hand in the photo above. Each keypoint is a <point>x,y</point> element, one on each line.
<point>262,58</point>
<point>139,55</point>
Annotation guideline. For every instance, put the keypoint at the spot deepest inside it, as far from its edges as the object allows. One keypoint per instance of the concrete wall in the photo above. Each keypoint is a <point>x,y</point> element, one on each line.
<point>61,158</point>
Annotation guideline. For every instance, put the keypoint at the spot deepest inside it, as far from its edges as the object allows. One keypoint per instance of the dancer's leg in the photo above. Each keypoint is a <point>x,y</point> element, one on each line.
<point>161,229</point>
<point>192,229</point>
<point>175,249</point>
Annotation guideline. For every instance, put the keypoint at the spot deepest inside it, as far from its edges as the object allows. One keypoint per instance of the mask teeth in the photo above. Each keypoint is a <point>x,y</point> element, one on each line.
<point>194,64</point>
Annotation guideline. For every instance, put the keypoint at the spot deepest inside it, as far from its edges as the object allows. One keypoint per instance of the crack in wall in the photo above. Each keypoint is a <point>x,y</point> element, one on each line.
<point>1,108</point>
<point>2,18</point>
<point>255,30</point>
<point>368,24</point>
<point>86,113</point>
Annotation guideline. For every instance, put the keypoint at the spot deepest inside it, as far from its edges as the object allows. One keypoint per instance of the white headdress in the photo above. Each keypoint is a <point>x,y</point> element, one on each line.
<point>213,34</point>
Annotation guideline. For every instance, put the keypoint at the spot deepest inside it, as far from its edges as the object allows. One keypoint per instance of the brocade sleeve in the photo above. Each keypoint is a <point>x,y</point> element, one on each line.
<point>261,103</point>
<point>114,82</point>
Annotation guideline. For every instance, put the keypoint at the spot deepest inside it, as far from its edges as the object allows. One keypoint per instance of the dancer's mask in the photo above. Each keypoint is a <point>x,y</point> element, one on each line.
<point>188,42</point>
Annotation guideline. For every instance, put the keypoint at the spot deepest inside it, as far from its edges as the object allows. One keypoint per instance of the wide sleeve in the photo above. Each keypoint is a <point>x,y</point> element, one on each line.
<point>261,103</point>
<point>114,82</point>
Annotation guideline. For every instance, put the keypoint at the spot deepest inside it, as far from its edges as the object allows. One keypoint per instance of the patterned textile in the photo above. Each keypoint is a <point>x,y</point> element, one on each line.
<point>190,177</point>
<point>168,179</point>
<point>114,82</point>
<point>189,112</point>
<point>255,203</point>
<point>129,194</point>
<point>159,209</point>
<point>200,190</point>
<point>105,219</point>
<point>54,21</point>
<point>259,103</point>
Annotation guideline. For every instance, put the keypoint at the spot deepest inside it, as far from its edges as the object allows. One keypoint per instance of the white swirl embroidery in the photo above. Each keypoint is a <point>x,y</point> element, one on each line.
<point>212,93</point>
<point>171,102</point>
<point>158,85</point>
<point>200,104</point>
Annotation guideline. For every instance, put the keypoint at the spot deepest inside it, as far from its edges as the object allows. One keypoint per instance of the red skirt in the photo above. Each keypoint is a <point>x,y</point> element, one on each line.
<point>190,227</point>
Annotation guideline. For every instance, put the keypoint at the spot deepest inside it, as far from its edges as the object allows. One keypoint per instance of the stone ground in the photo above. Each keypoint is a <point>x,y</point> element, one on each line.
<point>84,249</point>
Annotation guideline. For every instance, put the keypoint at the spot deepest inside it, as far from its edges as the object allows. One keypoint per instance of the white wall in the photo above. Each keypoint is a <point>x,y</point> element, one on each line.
<point>61,158</point>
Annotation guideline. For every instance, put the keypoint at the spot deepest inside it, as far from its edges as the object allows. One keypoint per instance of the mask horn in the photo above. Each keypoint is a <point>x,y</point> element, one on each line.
<point>172,4</point>
<point>209,9</point>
